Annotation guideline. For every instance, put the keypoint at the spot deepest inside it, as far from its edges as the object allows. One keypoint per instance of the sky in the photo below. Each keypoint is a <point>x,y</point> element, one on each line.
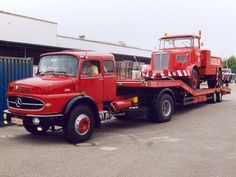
<point>138,23</point>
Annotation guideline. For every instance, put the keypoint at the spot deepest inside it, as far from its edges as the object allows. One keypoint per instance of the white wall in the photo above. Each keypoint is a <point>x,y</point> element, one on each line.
<point>21,29</point>
<point>26,30</point>
<point>101,47</point>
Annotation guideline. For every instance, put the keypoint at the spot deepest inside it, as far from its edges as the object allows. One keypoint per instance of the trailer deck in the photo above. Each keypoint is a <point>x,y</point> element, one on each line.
<point>169,84</point>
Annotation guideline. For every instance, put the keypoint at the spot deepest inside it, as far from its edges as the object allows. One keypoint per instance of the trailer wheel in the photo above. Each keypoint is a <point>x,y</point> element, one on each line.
<point>80,125</point>
<point>163,109</point>
<point>214,98</point>
<point>33,129</point>
<point>219,97</point>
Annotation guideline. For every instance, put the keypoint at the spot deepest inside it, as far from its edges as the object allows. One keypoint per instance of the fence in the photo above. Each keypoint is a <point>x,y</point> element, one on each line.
<point>12,69</point>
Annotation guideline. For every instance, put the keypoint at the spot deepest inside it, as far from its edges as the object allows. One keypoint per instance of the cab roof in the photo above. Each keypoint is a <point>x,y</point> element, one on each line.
<point>82,54</point>
<point>180,36</point>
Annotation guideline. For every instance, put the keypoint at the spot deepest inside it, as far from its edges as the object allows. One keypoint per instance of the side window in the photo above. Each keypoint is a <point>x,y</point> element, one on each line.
<point>108,66</point>
<point>91,67</point>
<point>196,43</point>
<point>181,58</point>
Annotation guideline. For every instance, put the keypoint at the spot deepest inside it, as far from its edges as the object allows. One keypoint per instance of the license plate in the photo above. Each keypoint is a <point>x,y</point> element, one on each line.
<point>16,121</point>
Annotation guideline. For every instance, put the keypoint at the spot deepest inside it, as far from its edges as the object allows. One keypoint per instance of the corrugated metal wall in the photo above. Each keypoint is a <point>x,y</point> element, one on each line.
<point>12,69</point>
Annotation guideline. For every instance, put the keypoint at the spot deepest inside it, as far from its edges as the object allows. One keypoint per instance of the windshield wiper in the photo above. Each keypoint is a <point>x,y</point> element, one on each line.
<point>53,72</point>
<point>60,72</point>
<point>45,72</point>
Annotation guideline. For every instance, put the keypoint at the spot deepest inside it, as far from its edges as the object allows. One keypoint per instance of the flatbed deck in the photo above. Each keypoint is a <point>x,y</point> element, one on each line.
<point>171,84</point>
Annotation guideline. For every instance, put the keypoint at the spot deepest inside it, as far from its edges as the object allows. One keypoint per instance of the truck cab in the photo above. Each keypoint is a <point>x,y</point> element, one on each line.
<point>180,51</point>
<point>69,86</point>
<point>68,74</point>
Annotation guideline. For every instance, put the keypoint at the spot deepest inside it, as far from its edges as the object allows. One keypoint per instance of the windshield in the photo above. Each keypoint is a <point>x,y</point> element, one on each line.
<point>58,64</point>
<point>176,43</point>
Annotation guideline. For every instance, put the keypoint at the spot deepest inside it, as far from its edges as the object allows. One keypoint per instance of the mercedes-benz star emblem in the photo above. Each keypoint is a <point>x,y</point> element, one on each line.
<point>18,102</point>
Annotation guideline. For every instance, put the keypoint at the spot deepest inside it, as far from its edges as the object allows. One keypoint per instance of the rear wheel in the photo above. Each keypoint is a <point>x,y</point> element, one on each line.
<point>163,109</point>
<point>216,82</point>
<point>80,125</point>
<point>34,129</point>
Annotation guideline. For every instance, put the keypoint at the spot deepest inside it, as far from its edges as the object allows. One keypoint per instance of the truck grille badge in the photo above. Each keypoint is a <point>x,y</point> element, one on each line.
<point>18,102</point>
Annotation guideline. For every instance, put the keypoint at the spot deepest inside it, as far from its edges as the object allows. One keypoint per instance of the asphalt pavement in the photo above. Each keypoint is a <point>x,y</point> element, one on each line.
<point>200,141</point>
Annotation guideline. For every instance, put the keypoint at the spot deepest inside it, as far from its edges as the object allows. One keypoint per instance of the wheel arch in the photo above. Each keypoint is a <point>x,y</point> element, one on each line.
<point>191,67</point>
<point>86,101</point>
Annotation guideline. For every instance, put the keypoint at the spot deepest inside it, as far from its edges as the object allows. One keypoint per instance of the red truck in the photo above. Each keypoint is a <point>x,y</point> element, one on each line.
<point>78,90</point>
<point>180,57</point>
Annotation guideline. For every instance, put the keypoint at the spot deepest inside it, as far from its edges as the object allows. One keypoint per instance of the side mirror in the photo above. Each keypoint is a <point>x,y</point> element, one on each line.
<point>202,44</point>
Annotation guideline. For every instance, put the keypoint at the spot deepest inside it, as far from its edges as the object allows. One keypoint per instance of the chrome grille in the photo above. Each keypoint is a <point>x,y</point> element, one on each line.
<point>161,61</point>
<point>24,102</point>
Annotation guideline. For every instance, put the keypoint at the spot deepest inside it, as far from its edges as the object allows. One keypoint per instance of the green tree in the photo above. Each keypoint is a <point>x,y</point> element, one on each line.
<point>230,63</point>
<point>224,63</point>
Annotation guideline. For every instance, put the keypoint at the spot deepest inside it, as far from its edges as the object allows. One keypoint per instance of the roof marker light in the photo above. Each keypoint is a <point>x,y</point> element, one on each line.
<point>200,32</point>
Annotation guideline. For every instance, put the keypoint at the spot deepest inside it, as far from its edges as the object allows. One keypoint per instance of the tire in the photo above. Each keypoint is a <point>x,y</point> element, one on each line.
<point>31,128</point>
<point>163,109</point>
<point>213,100</point>
<point>80,125</point>
<point>217,81</point>
<point>194,81</point>
<point>219,97</point>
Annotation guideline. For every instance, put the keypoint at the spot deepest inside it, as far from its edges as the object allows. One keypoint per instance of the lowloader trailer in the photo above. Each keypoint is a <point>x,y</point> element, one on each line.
<point>78,90</point>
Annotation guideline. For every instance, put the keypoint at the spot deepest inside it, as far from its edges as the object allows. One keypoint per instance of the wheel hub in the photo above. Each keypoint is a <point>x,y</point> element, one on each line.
<point>166,108</point>
<point>82,124</point>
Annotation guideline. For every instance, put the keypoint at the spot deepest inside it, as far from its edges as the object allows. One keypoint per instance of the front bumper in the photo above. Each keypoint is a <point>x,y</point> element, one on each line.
<point>7,115</point>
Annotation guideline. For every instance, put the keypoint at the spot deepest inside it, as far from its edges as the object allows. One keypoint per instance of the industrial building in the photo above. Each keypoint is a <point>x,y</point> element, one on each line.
<point>22,36</point>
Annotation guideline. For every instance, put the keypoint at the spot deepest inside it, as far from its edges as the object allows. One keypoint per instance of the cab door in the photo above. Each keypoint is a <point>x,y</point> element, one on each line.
<point>91,79</point>
<point>197,52</point>
<point>109,91</point>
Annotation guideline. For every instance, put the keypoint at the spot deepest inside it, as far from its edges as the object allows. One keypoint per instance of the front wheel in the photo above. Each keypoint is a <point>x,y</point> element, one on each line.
<point>80,125</point>
<point>163,109</point>
<point>194,80</point>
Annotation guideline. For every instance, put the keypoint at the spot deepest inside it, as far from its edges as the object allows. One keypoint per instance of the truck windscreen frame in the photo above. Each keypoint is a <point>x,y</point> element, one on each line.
<point>59,64</point>
<point>172,43</point>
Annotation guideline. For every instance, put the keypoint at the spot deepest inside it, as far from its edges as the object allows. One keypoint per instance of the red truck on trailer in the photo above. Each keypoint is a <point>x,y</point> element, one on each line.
<point>78,90</point>
<point>181,57</point>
